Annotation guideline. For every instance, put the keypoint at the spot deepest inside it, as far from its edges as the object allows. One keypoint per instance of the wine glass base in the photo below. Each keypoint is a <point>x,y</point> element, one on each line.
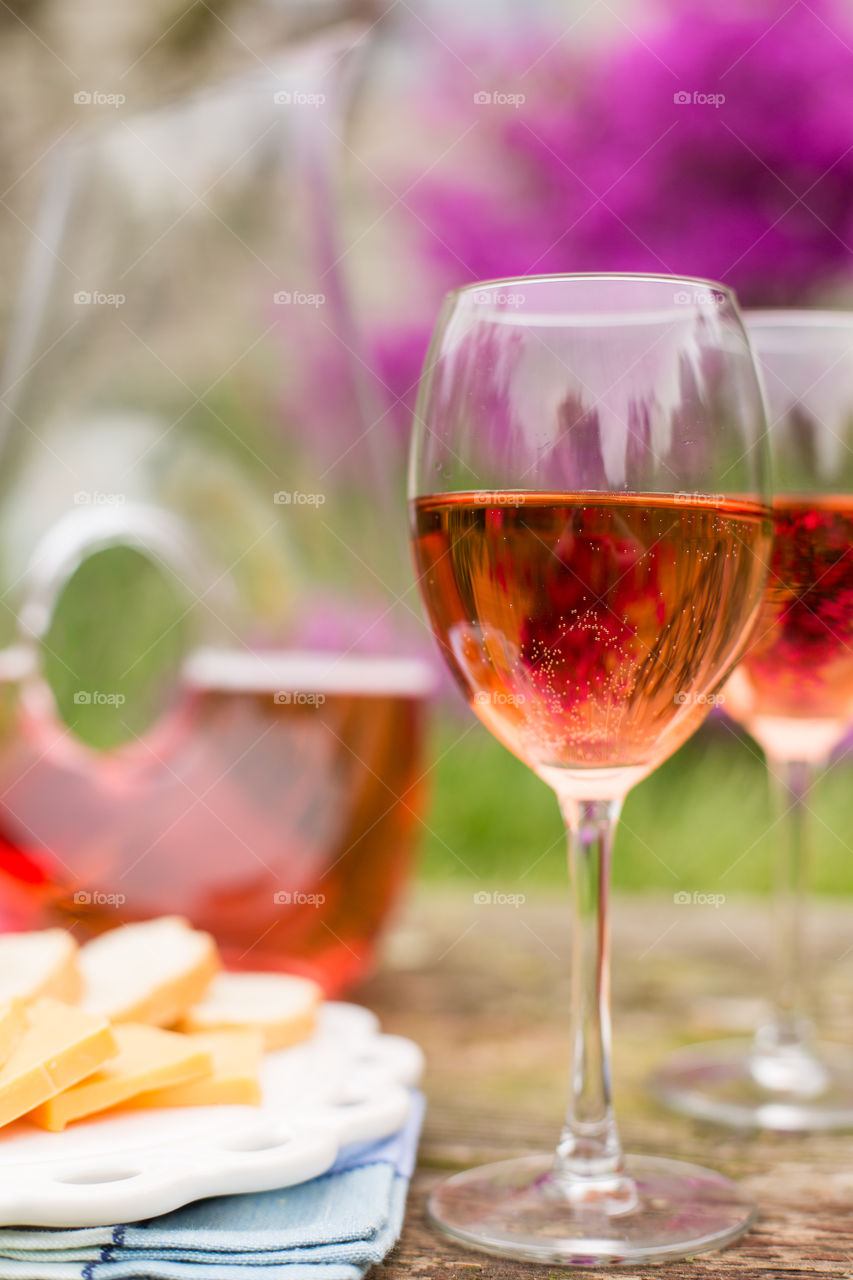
<point>518,1209</point>
<point>717,1082</point>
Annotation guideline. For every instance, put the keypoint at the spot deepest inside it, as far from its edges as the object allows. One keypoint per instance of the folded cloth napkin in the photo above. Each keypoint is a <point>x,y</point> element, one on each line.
<point>332,1228</point>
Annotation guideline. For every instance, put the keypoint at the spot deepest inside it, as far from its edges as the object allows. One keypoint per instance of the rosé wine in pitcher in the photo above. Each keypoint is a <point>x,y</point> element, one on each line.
<point>274,806</point>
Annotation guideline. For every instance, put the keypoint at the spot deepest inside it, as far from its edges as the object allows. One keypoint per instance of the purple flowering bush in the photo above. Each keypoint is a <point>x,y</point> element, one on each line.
<point>716,143</point>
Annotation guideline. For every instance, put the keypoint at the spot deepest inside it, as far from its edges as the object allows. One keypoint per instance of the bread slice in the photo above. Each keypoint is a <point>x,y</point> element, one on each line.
<point>279,1005</point>
<point>13,1024</point>
<point>149,972</point>
<point>39,964</point>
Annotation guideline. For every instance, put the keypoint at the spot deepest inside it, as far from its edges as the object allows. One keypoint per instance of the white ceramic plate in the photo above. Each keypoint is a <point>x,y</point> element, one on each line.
<point>347,1084</point>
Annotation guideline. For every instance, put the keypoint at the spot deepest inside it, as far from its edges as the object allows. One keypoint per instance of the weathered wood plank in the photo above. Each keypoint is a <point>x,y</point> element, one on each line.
<point>484,990</point>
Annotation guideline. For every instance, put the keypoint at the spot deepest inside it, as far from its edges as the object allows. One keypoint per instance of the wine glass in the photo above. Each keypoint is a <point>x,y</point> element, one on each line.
<point>793,691</point>
<point>591,534</point>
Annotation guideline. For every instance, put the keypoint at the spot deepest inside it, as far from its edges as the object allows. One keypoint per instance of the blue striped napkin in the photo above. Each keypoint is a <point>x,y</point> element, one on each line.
<point>332,1228</point>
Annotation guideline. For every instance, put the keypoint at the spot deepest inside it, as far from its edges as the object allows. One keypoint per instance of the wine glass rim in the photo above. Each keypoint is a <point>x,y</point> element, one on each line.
<point>566,277</point>
<point>702,294</point>
<point>791,318</point>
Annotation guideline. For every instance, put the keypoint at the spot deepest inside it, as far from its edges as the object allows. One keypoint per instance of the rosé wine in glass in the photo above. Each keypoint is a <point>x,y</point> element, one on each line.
<point>591,532</point>
<point>793,691</point>
<point>577,622</point>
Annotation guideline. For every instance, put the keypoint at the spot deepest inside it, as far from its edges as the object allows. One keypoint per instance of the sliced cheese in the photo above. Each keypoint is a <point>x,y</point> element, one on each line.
<point>60,1045</point>
<point>234,1079</point>
<point>282,1007</point>
<point>150,972</point>
<point>13,1024</point>
<point>38,964</point>
<point>147,1059</point>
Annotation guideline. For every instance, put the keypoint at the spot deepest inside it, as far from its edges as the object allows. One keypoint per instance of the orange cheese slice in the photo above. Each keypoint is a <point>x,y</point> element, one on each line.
<point>234,1079</point>
<point>147,1059</point>
<point>60,1045</point>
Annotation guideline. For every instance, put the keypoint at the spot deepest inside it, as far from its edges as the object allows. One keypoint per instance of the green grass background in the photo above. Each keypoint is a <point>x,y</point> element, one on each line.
<point>703,821</point>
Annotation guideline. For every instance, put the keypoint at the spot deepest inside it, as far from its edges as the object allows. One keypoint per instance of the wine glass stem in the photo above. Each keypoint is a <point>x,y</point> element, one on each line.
<point>589,1147</point>
<point>790,782</point>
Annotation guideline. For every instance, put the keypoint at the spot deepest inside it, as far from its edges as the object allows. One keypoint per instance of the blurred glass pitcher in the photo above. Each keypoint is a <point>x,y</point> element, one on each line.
<point>211,687</point>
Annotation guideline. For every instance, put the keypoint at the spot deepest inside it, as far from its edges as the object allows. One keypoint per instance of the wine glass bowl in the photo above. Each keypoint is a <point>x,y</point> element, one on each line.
<point>591,534</point>
<point>569,425</point>
<point>793,691</point>
<point>794,688</point>
<point>586,660</point>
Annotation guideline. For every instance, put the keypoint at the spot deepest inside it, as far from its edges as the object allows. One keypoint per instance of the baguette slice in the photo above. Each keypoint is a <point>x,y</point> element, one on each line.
<point>39,964</point>
<point>233,1081</point>
<point>279,1005</point>
<point>150,972</point>
<point>13,1024</point>
<point>147,1058</point>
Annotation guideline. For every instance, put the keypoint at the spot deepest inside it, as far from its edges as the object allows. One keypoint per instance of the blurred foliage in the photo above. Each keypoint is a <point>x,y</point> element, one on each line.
<point>701,822</point>
<point>19,11</point>
<point>119,631</point>
<point>197,23</point>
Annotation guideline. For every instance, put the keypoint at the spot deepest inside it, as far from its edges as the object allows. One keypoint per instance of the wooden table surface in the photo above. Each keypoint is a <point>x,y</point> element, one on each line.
<point>483,988</point>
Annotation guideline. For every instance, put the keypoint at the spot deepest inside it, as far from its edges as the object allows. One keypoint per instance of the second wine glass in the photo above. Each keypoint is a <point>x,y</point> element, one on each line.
<point>793,691</point>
